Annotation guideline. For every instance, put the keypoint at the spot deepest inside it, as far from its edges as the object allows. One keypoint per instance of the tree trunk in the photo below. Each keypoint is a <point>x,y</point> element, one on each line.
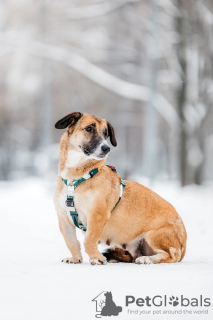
<point>181,99</point>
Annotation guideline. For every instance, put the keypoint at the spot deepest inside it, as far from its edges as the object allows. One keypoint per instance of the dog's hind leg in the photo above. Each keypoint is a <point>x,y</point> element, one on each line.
<point>157,258</point>
<point>165,245</point>
<point>69,233</point>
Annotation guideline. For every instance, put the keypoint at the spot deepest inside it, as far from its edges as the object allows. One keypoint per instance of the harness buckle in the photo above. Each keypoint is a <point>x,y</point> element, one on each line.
<point>123,183</point>
<point>91,174</point>
<point>112,168</point>
<point>69,202</point>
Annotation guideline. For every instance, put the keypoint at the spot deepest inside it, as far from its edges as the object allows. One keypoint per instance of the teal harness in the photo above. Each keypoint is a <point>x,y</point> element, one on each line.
<point>70,195</point>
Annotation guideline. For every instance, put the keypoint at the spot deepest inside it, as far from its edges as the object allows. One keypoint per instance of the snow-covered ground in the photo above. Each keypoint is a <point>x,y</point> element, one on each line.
<point>35,285</point>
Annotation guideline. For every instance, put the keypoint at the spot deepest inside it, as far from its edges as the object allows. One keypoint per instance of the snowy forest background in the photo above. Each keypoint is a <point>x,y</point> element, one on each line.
<point>145,66</point>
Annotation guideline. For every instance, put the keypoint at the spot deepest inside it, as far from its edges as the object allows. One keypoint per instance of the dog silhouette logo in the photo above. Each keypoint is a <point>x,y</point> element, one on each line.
<point>105,306</point>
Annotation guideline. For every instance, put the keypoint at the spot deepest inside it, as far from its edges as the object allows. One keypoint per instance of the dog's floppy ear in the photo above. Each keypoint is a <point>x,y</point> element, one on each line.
<point>69,120</point>
<point>111,133</point>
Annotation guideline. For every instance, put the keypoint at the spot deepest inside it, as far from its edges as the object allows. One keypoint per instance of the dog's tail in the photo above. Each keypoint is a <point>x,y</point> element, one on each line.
<point>117,255</point>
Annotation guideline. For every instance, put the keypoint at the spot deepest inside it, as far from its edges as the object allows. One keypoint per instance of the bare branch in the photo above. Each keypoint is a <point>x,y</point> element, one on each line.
<point>102,302</point>
<point>96,74</point>
<point>97,10</point>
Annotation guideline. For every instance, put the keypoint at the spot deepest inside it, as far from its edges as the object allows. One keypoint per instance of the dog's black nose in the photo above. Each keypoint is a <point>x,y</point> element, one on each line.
<point>105,148</point>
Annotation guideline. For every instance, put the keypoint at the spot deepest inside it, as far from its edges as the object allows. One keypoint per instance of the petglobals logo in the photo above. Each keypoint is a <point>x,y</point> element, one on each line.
<point>105,305</point>
<point>164,301</point>
<point>152,305</point>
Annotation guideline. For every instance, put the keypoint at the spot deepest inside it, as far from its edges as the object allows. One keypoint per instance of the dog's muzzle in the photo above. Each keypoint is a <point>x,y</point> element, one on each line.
<point>105,149</point>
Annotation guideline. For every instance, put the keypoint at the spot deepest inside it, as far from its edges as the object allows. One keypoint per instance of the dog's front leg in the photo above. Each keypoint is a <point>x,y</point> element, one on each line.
<point>95,226</point>
<point>69,233</point>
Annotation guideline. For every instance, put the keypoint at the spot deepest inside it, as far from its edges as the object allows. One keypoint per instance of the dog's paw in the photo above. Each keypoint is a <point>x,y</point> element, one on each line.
<point>143,260</point>
<point>100,261</point>
<point>72,260</point>
<point>112,261</point>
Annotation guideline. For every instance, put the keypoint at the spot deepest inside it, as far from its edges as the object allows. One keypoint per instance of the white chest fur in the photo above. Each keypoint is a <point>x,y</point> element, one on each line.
<point>83,204</point>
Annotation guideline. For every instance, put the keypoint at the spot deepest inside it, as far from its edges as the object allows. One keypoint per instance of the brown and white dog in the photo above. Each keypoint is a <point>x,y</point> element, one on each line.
<point>143,228</point>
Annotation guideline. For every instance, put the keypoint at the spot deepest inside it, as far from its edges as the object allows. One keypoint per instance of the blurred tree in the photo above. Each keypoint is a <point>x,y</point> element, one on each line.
<point>181,53</point>
<point>95,57</point>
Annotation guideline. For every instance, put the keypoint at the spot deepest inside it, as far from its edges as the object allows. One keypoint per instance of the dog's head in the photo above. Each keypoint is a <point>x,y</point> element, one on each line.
<point>108,295</point>
<point>88,134</point>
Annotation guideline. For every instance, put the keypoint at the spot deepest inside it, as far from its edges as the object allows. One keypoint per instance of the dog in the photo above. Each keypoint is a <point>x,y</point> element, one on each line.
<point>143,228</point>
<point>110,308</point>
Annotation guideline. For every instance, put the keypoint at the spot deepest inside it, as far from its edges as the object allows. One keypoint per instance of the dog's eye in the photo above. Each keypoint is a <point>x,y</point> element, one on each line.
<point>89,129</point>
<point>105,132</point>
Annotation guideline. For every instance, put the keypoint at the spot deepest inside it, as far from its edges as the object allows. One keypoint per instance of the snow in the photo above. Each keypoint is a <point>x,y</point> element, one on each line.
<point>34,284</point>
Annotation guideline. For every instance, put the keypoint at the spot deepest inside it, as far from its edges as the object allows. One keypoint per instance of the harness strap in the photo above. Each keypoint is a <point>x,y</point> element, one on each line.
<point>122,185</point>
<point>86,176</point>
<point>73,212</point>
<point>70,195</point>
